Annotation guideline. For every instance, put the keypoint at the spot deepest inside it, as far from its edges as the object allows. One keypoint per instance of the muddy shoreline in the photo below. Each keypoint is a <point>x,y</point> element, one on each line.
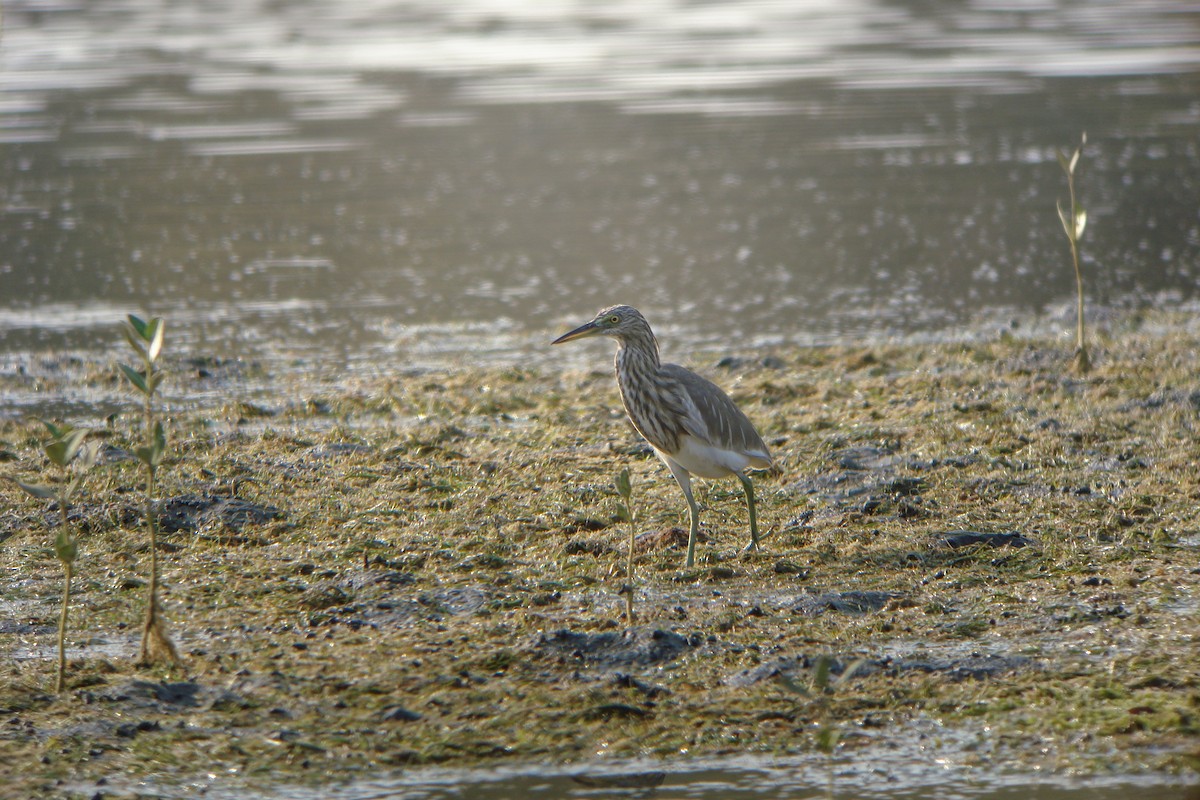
<point>424,570</point>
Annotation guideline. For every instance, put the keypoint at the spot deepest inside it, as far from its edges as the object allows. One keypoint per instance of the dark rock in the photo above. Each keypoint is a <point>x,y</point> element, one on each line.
<point>127,730</point>
<point>846,602</point>
<point>591,547</point>
<point>721,573</point>
<point>481,561</point>
<point>956,539</point>
<point>783,667</point>
<point>157,696</point>
<point>460,600</point>
<point>325,595</point>
<point>399,714</point>
<point>616,711</point>
<point>772,362</point>
<point>970,667</point>
<point>192,512</point>
<point>589,524</point>
<point>338,450</point>
<point>1165,397</point>
<point>638,646</point>
<point>731,362</point>
<point>632,780</point>
<point>664,538</point>
<point>866,481</point>
<point>1122,461</point>
<point>905,487</point>
<point>394,578</point>
<point>623,681</point>
<point>12,626</point>
<point>866,457</point>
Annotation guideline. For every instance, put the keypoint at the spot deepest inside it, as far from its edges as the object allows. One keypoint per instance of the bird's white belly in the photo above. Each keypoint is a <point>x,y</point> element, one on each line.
<point>704,460</point>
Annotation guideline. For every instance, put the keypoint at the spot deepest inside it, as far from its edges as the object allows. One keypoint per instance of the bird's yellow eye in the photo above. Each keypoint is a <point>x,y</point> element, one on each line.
<point>613,319</point>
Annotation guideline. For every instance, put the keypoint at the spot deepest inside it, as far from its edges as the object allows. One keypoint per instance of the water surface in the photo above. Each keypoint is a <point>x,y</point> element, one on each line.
<point>367,185</point>
<point>919,765</point>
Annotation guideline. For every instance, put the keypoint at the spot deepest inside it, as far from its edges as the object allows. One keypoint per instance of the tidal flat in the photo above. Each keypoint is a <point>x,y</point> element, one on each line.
<point>375,575</point>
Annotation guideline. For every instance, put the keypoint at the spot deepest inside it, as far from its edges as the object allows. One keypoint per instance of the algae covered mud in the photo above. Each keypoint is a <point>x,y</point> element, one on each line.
<point>979,580</point>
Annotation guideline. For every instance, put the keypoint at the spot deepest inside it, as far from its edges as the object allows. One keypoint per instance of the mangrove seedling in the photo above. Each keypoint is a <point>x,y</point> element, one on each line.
<point>821,687</point>
<point>1073,224</point>
<point>146,339</point>
<point>625,512</point>
<point>67,453</point>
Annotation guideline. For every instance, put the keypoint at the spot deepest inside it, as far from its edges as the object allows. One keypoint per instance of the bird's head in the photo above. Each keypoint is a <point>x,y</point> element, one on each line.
<point>618,321</point>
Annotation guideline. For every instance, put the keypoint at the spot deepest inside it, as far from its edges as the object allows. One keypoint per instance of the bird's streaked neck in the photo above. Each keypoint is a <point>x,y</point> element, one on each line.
<point>640,346</point>
<point>637,355</point>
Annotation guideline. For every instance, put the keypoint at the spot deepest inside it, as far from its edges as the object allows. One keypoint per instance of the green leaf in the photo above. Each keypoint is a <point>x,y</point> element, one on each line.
<point>152,454</point>
<point>850,671</point>
<point>827,738</point>
<point>62,451</point>
<point>160,439</point>
<point>65,546</point>
<point>788,683</point>
<point>89,456</point>
<point>145,454</point>
<point>821,676</point>
<point>138,326</point>
<point>624,487</point>
<point>156,338</point>
<point>156,378</point>
<point>1062,216</point>
<point>1062,161</point>
<point>40,492</point>
<point>72,487</point>
<point>57,431</point>
<point>136,378</point>
<point>135,339</point>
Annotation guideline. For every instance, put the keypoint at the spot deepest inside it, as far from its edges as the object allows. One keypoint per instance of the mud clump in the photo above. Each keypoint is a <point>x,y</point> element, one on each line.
<point>192,512</point>
<point>973,666</point>
<point>853,602</point>
<point>641,646</point>
<point>953,540</point>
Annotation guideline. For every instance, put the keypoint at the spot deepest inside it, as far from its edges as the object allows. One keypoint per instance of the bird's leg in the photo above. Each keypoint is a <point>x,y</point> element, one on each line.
<point>684,479</point>
<point>749,487</point>
<point>693,525</point>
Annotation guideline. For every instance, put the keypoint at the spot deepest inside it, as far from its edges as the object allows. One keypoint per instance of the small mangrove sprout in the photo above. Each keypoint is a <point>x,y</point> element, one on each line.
<point>146,338</point>
<point>821,688</point>
<point>65,445</point>
<point>625,512</point>
<point>1073,224</point>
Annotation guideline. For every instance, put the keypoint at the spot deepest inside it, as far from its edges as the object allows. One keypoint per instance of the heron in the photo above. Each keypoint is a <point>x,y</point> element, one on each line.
<point>690,422</point>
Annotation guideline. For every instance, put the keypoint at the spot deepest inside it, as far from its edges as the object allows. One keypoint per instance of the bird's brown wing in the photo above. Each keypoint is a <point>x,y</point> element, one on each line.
<point>713,417</point>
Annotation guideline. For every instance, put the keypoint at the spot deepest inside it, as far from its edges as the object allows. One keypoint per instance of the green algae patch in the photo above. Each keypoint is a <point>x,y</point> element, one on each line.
<point>428,569</point>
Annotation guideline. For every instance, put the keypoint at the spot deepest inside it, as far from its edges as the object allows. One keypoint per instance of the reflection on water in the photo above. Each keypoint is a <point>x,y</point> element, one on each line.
<point>379,183</point>
<point>927,764</point>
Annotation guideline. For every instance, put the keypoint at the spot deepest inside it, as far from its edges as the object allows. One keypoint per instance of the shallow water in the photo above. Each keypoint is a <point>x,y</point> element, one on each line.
<point>368,185</point>
<point>928,764</point>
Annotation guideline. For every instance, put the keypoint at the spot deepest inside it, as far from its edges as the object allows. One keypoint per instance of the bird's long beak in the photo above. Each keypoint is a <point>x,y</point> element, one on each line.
<point>589,329</point>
